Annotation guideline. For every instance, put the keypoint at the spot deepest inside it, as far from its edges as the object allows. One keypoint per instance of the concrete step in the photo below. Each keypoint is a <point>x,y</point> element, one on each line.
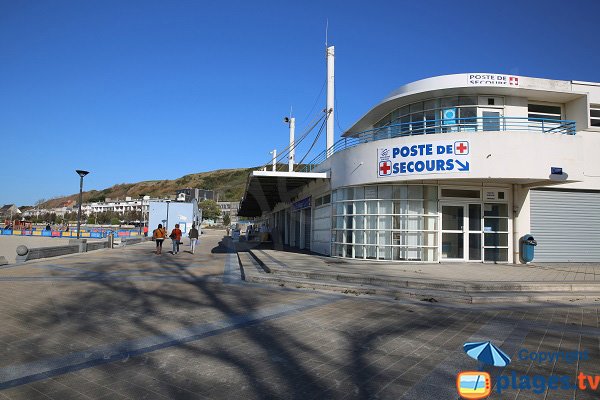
<point>431,295</point>
<point>249,264</point>
<point>456,286</point>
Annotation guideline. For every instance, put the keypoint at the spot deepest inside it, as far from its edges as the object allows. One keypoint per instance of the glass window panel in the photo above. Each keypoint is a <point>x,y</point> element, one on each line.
<point>359,222</point>
<point>359,236</point>
<point>399,253</point>
<point>339,236</point>
<point>372,207</point>
<point>448,102</point>
<point>371,252</point>
<point>385,207</point>
<point>452,218</point>
<point>416,107</point>
<point>349,251</point>
<point>413,223</point>
<point>335,195</point>
<point>371,222</point>
<point>452,245</point>
<point>467,100</point>
<point>350,194</point>
<point>359,207</point>
<point>384,191</point>
<point>495,224</point>
<point>371,237</point>
<point>401,192</point>
<point>385,222</point>
<point>370,192</point>
<point>349,208</point>
<point>417,125</point>
<point>359,252</point>
<point>385,238</point>
<point>495,210</point>
<point>339,208</point>
<point>415,207</point>
<point>545,109</point>
<point>430,192</point>
<point>405,123</point>
<point>404,110</point>
<point>462,193</point>
<point>339,222</point>
<point>430,207</point>
<point>415,192</point>
<point>496,255</point>
<point>475,217</point>
<point>359,192</point>
<point>349,223</point>
<point>474,246</point>
<point>385,253</point>
<point>430,104</point>
<point>430,223</point>
<point>496,239</point>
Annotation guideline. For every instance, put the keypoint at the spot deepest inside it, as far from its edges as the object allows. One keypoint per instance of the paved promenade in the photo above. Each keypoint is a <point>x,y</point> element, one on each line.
<point>128,324</point>
<point>454,282</point>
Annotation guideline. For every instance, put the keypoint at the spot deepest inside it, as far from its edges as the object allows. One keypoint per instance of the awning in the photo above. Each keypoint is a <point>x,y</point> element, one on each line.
<point>267,188</point>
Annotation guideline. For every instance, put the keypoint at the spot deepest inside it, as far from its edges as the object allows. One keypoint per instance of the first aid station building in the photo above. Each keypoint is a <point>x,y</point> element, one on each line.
<point>450,168</point>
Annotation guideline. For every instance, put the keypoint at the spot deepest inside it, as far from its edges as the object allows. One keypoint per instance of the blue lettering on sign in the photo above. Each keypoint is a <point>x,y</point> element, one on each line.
<point>426,158</point>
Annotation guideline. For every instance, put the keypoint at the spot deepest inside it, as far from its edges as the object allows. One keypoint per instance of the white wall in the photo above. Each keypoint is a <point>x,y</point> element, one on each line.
<point>512,157</point>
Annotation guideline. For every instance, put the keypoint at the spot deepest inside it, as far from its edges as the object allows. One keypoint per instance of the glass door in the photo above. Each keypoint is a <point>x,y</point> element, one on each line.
<point>461,232</point>
<point>453,232</point>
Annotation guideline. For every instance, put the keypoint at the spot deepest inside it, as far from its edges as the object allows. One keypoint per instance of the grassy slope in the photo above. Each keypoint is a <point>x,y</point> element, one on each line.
<point>228,183</point>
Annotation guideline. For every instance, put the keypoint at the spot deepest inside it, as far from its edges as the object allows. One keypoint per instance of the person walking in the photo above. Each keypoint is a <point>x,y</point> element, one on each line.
<point>176,238</point>
<point>193,235</point>
<point>159,236</point>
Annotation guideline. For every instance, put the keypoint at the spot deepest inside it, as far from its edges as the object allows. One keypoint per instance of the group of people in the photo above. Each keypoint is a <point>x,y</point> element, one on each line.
<point>160,234</point>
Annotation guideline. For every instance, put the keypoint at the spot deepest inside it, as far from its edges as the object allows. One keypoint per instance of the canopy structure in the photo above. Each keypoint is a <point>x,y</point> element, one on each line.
<point>267,188</point>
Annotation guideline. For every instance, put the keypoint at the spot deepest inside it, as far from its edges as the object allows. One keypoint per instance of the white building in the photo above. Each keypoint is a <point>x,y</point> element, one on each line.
<point>116,205</point>
<point>451,168</point>
<point>229,208</point>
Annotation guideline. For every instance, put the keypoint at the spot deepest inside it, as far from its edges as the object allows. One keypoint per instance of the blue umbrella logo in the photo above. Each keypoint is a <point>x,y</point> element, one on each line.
<point>487,353</point>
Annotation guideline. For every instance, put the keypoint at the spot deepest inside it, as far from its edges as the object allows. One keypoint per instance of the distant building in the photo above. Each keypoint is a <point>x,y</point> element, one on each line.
<point>229,208</point>
<point>9,211</point>
<point>196,194</point>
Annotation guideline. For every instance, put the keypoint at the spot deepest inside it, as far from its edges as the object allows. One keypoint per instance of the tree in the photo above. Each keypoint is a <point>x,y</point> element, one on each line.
<point>210,209</point>
<point>226,220</point>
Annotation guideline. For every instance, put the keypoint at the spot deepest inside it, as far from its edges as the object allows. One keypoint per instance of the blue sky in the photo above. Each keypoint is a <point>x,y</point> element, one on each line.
<point>143,90</point>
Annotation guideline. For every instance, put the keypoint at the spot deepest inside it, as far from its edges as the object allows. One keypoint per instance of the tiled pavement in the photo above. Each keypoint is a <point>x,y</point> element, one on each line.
<point>456,271</point>
<point>129,324</point>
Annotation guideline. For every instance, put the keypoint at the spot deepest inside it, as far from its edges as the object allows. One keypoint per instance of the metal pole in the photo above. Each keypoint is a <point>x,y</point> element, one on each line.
<point>167,223</point>
<point>274,152</point>
<point>292,150</point>
<point>80,200</point>
<point>330,99</point>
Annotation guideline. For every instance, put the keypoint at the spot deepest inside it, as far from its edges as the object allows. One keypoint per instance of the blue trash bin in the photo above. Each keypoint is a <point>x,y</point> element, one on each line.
<point>528,244</point>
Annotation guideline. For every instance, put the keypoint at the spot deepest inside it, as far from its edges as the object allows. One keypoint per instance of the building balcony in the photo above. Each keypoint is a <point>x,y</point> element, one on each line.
<point>456,125</point>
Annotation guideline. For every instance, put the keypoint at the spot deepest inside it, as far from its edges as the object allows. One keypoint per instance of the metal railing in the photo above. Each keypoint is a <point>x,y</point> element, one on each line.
<point>435,126</point>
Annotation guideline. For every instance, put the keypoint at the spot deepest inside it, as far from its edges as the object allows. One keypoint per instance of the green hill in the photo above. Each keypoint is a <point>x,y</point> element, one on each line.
<point>229,184</point>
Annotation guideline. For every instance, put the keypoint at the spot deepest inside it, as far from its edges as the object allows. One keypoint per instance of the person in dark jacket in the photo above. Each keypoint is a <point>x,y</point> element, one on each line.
<point>193,237</point>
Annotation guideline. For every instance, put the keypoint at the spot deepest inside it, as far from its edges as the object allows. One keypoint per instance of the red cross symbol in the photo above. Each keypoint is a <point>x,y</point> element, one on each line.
<point>461,148</point>
<point>513,80</point>
<point>384,168</point>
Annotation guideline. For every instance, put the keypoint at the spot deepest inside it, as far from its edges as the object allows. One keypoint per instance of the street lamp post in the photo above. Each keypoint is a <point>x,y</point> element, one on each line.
<point>81,174</point>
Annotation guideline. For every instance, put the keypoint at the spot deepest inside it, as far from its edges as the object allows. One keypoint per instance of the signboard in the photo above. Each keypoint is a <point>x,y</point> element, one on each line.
<point>491,195</point>
<point>300,204</point>
<point>492,80</point>
<point>436,157</point>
